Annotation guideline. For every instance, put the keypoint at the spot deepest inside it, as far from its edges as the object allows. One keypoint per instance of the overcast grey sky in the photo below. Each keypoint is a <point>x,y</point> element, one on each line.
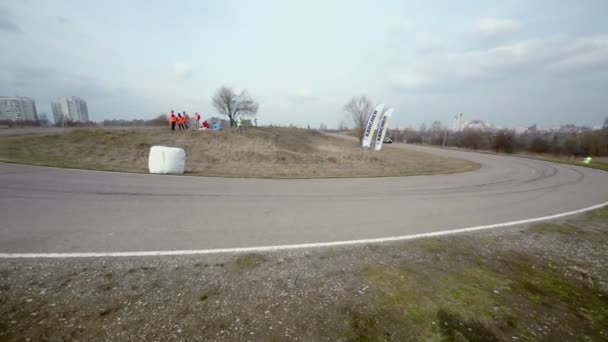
<point>513,62</point>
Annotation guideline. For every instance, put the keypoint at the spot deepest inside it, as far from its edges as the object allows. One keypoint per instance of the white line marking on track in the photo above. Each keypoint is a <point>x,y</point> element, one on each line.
<point>295,246</point>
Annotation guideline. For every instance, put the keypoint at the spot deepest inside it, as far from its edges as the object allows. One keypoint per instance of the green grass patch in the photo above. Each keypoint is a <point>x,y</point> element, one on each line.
<point>473,301</point>
<point>600,213</point>
<point>552,228</point>
<point>592,165</point>
<point>434,245</point>
<point>417,304</point>
<point>249,261</point>
<point>545,286</point>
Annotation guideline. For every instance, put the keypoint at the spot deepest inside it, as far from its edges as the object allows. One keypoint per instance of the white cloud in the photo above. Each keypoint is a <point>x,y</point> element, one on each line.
<point>63,20</point>
<point>553,54</point>
<point>540,54</point>
<point>412,80</point>
<point>8,23</point>
<point>302,95</point>
<point>585,52</point>
<point>182,69</point>
<point>398,25</point>
<point>494,27</point>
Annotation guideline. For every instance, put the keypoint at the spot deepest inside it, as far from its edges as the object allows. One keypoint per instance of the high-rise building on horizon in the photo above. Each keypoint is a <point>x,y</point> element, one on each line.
<point>18,108</point>
<point>458,123</point>
<point>70,108</point>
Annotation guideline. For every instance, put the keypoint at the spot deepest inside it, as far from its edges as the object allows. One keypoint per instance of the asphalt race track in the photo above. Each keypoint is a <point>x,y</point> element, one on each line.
<point>48,210</point>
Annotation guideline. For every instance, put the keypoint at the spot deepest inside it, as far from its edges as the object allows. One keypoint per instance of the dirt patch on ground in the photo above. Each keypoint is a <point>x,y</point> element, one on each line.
<point>255,152</point>
<point>544,282</point>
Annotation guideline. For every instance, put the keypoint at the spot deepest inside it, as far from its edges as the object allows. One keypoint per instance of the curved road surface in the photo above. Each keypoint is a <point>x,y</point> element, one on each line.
<point>54,210</point>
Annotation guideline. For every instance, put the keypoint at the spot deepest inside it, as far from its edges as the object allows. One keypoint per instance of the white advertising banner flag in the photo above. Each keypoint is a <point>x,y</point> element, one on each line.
<point>372,123</point>
<point>382,128</point>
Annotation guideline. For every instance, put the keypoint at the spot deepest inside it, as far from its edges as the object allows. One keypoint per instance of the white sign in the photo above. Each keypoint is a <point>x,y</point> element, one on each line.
<point>382,128</point>
<point>372,123</point>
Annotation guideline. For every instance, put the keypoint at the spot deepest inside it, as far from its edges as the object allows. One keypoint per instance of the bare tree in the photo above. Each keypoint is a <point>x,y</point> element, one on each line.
<point>359,109</point>
<point>436,126</point>
<point>504,140</point>
<point>44,120</point>
<point>436,133</point>
<point>234,105</point>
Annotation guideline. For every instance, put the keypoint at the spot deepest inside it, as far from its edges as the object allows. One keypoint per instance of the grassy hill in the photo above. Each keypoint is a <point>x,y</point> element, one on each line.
<point>255,152</point>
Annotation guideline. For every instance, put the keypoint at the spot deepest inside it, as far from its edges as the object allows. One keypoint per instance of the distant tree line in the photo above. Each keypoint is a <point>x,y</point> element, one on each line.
<point>159,120</point>
<point>20,123</point>
<point>71,123</point>
<point>573,143</point>
<point>46,123</point>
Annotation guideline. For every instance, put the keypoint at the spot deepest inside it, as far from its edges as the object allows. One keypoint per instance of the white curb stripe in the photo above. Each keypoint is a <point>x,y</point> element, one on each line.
<point>296,246</point>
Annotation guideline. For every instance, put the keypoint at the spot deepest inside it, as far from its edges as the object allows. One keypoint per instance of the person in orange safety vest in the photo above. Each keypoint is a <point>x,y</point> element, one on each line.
<point>172,120</point>
<point>180,122</point>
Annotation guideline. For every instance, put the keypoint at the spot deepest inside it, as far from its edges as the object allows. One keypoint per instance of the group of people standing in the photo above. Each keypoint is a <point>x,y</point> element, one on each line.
<point>183,121</point>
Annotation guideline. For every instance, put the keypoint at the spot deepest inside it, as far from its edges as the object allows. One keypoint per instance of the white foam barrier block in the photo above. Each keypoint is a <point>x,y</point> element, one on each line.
<point>165,160</point>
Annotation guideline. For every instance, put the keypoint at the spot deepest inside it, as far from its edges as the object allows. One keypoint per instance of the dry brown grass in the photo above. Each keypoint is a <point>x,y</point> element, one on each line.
<point>256,152</point>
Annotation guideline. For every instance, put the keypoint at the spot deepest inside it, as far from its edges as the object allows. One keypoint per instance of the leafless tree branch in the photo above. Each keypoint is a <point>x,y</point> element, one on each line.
<point>359,109</point>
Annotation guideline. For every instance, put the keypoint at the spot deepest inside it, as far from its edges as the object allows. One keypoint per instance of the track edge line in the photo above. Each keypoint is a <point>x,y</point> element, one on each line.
<point>295,246</point>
